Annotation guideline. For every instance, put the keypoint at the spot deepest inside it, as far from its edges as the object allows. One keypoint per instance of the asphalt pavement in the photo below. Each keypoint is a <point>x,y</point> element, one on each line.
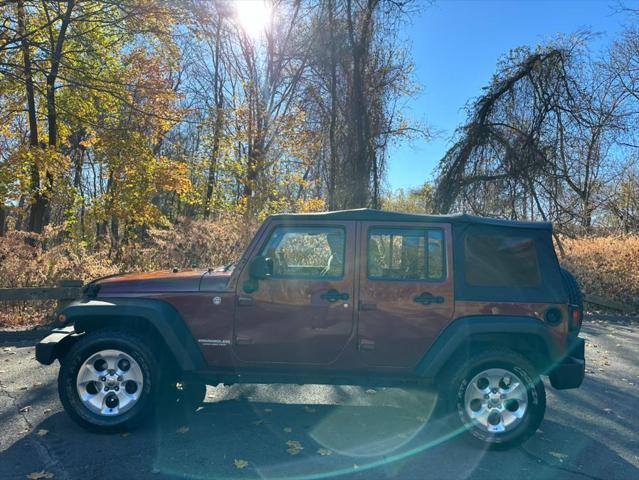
<point>314,431</point>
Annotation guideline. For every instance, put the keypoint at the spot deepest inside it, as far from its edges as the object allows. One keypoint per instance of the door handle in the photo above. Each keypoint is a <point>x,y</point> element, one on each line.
<point>244,301</point>
<point>333,296</point>
<point>427,298</point>
<point>367,306</point>
<point>243,340</point>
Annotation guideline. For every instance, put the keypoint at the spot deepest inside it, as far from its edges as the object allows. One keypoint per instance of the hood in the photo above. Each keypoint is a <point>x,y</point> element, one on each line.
<point>153,282</point>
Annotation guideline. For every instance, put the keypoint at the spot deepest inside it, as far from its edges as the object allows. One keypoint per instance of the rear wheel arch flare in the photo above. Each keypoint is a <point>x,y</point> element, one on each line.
<point>527,335</point>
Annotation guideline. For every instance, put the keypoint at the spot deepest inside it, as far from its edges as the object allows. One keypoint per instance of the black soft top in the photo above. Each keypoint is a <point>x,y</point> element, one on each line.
<point>371,215</point>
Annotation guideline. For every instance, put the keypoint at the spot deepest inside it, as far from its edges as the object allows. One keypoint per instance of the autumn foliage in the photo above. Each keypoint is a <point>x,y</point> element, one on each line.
<point>607,266</point>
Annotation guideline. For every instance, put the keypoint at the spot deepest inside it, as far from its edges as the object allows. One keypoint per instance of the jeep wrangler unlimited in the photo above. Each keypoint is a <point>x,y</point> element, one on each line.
<point>478,307</point>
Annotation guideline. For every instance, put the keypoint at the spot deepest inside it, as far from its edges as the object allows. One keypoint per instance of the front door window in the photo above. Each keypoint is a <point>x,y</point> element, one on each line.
<point>306,252</point>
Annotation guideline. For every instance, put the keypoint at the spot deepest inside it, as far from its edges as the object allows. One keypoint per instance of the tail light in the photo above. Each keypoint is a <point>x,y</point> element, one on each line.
<point>576,318</point>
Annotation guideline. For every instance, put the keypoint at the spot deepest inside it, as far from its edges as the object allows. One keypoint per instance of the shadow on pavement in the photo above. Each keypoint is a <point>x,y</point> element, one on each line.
<point>283,440</point>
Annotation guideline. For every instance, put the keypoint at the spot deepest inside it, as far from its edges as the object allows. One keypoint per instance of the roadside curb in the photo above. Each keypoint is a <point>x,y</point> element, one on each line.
<point>25,336</point>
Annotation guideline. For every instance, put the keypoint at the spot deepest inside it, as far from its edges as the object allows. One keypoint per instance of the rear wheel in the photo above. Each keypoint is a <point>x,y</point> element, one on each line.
<point>497,397</point>
<point>107,380</point>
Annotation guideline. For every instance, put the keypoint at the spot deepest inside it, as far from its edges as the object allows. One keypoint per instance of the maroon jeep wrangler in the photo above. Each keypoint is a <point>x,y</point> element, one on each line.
<point>478,307</point>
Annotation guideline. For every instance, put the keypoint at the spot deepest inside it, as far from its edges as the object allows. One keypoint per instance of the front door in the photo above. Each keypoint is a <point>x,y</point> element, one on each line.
<point>303,312</point>
<point>406,291</point>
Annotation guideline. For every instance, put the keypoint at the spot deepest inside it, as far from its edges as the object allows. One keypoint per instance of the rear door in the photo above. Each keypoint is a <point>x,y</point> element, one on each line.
<point>303,313</point>
<point>406,291</point>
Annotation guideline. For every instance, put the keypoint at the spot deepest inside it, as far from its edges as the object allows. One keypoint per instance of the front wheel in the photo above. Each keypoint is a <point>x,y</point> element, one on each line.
<point>497,397</point>
<point>107,381</point>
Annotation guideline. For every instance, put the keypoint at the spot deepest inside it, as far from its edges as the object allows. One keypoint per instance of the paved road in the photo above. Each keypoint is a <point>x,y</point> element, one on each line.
<point>592,432</point>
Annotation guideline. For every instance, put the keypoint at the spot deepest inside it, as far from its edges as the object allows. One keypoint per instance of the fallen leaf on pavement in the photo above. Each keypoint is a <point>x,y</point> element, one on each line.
<point>240,464</point>
<point>295,447</point>
<point>42,432</point>
<point>40,475</point>
<point>559,456</point>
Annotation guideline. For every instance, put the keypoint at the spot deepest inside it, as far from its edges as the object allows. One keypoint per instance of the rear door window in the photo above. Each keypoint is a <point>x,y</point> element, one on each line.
<point>406,254</point>
<point>501,261</point>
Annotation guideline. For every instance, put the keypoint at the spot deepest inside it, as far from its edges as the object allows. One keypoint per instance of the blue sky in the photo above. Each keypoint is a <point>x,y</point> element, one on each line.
<point>455,47</point>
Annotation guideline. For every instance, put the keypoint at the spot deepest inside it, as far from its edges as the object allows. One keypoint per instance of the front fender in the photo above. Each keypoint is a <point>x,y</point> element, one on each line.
<point>86,315</point>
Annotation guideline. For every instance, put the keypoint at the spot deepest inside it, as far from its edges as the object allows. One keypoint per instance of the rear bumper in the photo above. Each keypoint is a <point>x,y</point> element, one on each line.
<point>50,347</point>
<point>571,371</point>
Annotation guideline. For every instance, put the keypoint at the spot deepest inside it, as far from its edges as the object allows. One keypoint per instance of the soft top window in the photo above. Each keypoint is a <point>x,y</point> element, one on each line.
<point>501,261</point>
<point>406,254</point>
<point>306,252</point>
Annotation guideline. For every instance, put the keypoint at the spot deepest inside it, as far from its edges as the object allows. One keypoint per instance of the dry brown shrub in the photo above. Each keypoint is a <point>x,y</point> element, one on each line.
<point>606,266</point>
<point>28,260</point>
<point>196,244</point>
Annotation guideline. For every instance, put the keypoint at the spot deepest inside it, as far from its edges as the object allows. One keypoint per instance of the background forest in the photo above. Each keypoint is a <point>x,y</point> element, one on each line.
<point>139,134</point>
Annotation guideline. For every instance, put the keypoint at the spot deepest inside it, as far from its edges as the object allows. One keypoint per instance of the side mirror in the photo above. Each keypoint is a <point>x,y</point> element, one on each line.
<point>261,268</point>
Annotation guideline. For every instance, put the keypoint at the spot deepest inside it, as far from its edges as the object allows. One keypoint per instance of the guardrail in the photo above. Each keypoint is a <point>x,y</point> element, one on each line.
<point>66,290</point>
<point>610,304</point>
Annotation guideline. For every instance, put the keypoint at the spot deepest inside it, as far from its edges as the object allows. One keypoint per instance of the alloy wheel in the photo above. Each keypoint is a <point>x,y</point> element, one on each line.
<point>109,382</point>
<point>496,400</point>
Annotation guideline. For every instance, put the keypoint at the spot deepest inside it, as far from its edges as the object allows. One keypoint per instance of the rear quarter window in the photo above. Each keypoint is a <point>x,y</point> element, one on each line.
<point>501,261</point>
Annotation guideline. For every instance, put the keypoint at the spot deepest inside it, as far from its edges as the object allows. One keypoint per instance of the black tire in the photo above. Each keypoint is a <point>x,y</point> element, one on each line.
<point>575,296</point>
<point>458,378</point>
<point>94,342</point>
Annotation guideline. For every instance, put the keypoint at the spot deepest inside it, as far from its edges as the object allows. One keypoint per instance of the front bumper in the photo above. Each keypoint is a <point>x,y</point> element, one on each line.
<point>572,369</point>
<point>54,345</point>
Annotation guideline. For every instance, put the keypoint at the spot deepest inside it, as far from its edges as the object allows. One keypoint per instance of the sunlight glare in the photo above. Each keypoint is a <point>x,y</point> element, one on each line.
<point>253,15</point>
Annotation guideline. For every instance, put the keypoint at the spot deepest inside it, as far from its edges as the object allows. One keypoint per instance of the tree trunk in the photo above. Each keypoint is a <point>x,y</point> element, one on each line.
<point>52,113</point>
<point>360,157</point>
<point>219,123</point>
<point>332,162</point>
<point>3,220</point>
<point>38,207</point>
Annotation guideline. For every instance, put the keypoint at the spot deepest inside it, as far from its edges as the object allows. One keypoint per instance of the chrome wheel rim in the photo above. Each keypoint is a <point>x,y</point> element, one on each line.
<point>109,382</point>
<point>496,400</point>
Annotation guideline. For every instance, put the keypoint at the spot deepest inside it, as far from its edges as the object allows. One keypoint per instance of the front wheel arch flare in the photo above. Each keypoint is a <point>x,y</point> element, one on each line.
<point>157,319</point>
